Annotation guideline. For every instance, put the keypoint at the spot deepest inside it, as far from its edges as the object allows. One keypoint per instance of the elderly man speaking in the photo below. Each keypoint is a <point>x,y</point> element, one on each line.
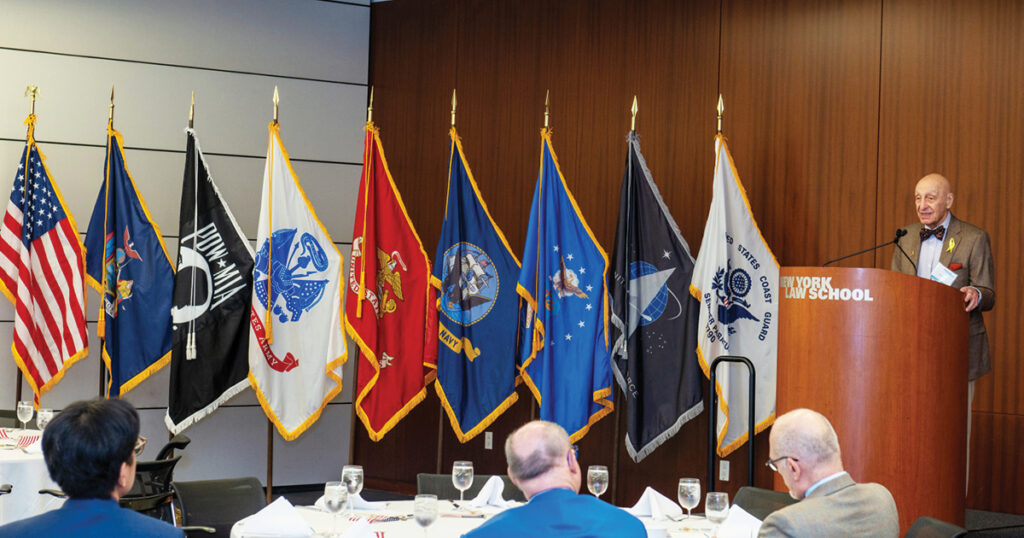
<point>804,449</point>
<point>543,465</point>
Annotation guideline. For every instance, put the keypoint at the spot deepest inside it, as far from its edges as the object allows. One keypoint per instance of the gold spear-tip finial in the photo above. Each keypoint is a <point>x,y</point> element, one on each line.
<point>192,109</point>
<point>110,117</point>
<point>277,100</point>
<point>369,108</point>
<point>720,108</point>
<point>634,109</point>
<point>455,103</point>
<point>31,91</point>
<point>547,102</point>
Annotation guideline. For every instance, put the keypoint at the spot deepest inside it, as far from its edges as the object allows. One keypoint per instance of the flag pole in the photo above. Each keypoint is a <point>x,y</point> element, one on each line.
<point>634,109</point>
<point>110,117</point>
<point>547,110</point>
<point>270,228</point>
<point>104,382</point>
<point>31,92</point>
<point>367,158</point>
<point>454,104</point>
<point>192,110</point>
<point>721,108</point>
<point>190,341</point>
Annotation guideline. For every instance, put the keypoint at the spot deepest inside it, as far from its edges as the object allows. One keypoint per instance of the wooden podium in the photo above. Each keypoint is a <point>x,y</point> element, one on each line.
<point>883,355</point>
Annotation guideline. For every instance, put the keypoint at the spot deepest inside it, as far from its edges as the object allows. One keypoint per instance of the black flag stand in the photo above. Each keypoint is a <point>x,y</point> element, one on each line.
<point>713,422</point>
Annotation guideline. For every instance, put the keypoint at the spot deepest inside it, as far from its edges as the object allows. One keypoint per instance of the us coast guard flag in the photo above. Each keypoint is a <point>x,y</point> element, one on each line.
<point>736,280</point>
<point>125,251</point>
<point>566,359</point>
<point>297,344</point>
<point>390,310</point>
<point>474,268</point>
<point>212,298</point>
<point>654,318</point>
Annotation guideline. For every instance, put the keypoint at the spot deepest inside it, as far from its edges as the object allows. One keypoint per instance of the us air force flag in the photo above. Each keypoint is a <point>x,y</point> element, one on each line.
<point>654,318</point>
<point>297,345</point>
<point>474,270</point>
<point>565,341</point>
<point>736,279</point>
<point>212,295</point>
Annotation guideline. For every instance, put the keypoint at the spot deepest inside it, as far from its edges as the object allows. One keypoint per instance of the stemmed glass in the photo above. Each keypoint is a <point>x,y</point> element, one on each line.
<point>352,477</point>
<point>462,477</point>
<point>43,417</point>
<point>597,480</point>
<point>425,511</point>
<point>716,507</point>
<point>689,494</point>
<point>335,497</point>
<point>25,413</point>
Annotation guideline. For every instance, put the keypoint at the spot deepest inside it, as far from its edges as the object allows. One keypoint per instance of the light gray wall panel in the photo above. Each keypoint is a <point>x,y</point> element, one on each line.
<point>310,39</point>
<point>229,443</point>
<point>319,121</point>
<point>319,454</point>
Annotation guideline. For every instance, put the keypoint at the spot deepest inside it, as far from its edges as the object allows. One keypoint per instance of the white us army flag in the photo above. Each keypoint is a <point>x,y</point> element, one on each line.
<point>297,344</point>
<point>736,279</point>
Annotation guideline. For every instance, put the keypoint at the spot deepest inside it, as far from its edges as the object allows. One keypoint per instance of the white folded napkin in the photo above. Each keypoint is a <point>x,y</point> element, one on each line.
<point>739,524</point>
<point>278,518</point>
<point>35,447</point>
<point>490,494</point>
<point>359,529</point>
<point>655,505</point>
<point>358,503</point>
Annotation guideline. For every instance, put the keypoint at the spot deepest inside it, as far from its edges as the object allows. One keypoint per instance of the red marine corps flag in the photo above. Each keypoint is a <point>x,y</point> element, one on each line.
<point>390,305</point>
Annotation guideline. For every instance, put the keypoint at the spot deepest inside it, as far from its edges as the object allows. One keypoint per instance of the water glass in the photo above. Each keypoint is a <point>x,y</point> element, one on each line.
<point>425,511</point>
<point>716,507</point>
<point>25,411</point>
<point>597,480</point>
<point>689,494</point>
<point>43,417</point>
<point>335,496</point>
<point>462,477</point>
<point>352,478</point>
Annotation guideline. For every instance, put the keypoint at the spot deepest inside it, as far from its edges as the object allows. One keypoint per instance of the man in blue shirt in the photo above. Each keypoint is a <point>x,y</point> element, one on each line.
<point>542,463</point>
<point>89,451</point>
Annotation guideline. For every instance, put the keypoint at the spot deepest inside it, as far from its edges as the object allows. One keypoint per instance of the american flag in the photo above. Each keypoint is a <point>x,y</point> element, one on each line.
<point>41,273</point>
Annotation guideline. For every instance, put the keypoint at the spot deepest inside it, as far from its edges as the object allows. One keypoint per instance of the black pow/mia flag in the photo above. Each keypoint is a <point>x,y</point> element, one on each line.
<point>654,317</point>
<point>212,296</point>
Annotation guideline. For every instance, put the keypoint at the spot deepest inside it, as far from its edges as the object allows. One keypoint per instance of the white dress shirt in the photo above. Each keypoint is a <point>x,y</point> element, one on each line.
<point>931,249</point>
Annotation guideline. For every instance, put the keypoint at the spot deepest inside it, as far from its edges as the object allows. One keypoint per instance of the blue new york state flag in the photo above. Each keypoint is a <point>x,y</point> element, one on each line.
<point>127,262</point>
<point>566,360</point>
<point>474,272</point>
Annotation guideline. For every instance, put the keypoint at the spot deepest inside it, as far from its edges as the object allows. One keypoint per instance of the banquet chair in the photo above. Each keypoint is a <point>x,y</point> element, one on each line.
<point>178,442</point>
<point>151,493</point>
<point>5,489</point>
<point>442,486</point>
<point>760,502</point>
<point>218,504</point>
<point>929,527</point>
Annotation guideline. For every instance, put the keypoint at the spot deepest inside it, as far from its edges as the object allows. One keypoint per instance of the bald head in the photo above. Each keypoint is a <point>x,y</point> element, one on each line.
<point>807,449</point>
<point>539,458</point>
<point>933,197</point>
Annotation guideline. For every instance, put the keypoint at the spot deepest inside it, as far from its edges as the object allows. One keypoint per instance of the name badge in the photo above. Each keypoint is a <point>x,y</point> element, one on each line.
<point>942,274</point>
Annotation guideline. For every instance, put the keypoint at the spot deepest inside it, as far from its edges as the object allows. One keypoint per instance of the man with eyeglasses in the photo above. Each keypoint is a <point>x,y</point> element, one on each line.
<point>542,464</point>
<point>90,450</point>
<point>804,449</point>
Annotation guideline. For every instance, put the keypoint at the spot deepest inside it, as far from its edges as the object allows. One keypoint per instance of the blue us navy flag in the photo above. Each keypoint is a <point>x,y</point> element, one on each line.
<point>474,270</point>
<point>654,318</point>
<point>566,358</point>
<point>125,251</point>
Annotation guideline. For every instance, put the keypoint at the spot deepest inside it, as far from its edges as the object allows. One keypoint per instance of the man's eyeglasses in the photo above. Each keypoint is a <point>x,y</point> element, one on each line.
<point>140,444</point>
<point>575,451</point>
<point>771,463</point>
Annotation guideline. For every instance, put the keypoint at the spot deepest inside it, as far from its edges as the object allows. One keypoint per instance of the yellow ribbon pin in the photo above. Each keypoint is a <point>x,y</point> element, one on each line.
<point>952,243</point>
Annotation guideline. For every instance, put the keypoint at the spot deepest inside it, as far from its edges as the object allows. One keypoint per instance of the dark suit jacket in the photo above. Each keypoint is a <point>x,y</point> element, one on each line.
<point>564,514</point>
<point>970,249</point>
<point>90,518</point>
<point>839,507</point>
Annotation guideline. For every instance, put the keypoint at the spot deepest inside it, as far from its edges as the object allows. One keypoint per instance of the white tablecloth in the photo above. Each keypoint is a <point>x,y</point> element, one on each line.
<point>445,526</point>
<point>27,473</point>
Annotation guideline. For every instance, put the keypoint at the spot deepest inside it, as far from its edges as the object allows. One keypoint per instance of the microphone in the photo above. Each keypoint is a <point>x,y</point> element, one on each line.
<point>900,232</point>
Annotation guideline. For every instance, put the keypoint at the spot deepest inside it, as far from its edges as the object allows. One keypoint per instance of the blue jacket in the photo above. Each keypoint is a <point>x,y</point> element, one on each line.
<point>562,513</point>
<point>88,518</point>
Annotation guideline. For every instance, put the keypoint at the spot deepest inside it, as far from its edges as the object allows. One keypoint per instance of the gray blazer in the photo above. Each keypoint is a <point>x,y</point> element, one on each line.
<point>839,507</point>
<point>972,250</point>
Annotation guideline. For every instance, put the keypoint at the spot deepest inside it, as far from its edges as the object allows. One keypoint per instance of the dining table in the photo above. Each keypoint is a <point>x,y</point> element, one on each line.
<point>24,468</point>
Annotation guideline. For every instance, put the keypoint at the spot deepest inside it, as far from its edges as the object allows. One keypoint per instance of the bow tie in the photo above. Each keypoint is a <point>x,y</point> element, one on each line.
<point>937,232</point>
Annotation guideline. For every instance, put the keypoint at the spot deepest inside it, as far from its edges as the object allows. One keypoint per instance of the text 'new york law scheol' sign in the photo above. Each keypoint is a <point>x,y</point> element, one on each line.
<point>820,288</point>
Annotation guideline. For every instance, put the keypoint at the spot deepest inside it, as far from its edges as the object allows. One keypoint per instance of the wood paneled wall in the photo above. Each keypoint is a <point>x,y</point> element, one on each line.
<point>833,110</point>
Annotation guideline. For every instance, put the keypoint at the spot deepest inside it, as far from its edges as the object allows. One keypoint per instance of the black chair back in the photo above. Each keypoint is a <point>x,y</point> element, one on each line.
<point>929,527</point>
<point>219,503</point>
<point>5,489</point>
<point>151,493</point>
<point>442,486</point>
<point>760,502</point>
<point>178,442</point>
<point>9,419</point>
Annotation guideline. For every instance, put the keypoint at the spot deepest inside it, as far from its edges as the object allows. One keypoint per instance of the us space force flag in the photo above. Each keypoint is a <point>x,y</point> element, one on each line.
<point>654,318</point>
<point>390,310</point>
<point>297,344</point>
<point>125,251</point>
<point>566,358</point>
<point>212,296</point>
<point>474,270</point>
<point>736,280</point>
